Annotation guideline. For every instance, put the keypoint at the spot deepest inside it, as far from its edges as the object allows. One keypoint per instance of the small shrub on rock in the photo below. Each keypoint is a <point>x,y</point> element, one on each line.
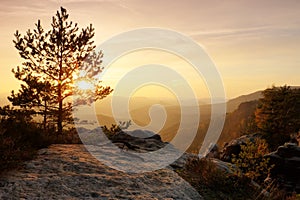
<point>251,160</point>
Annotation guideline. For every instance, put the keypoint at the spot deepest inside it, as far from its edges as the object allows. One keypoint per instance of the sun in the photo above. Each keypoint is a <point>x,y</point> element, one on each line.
<point>84,85</point>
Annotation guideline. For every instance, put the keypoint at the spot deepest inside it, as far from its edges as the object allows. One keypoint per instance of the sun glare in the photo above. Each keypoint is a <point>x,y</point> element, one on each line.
<point>85,85</point>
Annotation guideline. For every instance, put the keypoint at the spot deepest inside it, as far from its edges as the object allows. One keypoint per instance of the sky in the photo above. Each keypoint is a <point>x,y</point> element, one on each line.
<point>254,44</point>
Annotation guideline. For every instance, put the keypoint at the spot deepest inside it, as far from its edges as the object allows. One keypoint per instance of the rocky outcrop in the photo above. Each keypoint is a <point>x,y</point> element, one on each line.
<point>286,169</point>
<point>225,166</point>
<point>234,146</point>
<point>182,161</point>
<point>141,133</point>
<point>139,142</point>
<point>70,172</point>
<point>212,151</point>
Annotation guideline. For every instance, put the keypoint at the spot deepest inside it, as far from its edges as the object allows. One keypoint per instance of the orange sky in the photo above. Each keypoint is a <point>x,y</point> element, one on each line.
<point>254,44</point>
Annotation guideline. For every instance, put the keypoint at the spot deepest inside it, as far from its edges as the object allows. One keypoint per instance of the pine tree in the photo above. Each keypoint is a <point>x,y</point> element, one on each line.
<point>278,114</point>
<point>52,60</point>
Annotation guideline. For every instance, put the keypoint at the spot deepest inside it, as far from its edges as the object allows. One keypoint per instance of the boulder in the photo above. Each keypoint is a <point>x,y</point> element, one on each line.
<point>234,146</point>
<point>137,140</point>
<point>125,140</point>
<point>225,166</point>
<point>141,133</point>
<point>212,151</point>
<point>181,162</point>
<point>286,161</point>
<point>70,172</point>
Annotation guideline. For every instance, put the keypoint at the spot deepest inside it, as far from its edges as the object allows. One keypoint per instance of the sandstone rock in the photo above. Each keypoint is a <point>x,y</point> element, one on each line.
<point>181,162</point>
<point>141,133</point>
<point>70,172</point>
<point>212,151</point>
<point>151,143</point>
<point>225,166</point>
<point>287,166</point>
<point>234,146</point>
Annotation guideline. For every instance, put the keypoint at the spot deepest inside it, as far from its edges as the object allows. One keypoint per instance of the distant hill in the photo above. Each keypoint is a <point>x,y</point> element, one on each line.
<point>236,121</point>
<point>233,104</point>
<point>140,115</point>
<point>239,112</point>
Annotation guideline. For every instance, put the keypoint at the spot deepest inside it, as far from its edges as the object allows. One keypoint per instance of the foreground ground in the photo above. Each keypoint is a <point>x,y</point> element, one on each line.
<point>70,172</point>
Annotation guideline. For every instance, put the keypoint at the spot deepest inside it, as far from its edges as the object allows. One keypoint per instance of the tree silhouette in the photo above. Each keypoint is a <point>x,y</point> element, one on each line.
<point>278,114</point>
<point>54,59</point>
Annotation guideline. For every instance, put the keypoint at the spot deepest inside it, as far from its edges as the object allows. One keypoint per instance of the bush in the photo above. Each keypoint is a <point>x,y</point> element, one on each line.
<point>18,142</point>
<point>109,132</point>
<point>114,128</point>
<point>21,136</point>
<point>213,183</point>
<point>251,160</point>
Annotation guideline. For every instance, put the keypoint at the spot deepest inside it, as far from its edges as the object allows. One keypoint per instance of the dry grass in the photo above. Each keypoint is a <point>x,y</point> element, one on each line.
<point>213,183</point>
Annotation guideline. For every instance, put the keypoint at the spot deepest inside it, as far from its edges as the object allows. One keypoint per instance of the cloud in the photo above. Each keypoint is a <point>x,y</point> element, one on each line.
<point>230,32</point>
<point>249,32</point>
<point>26,7</point>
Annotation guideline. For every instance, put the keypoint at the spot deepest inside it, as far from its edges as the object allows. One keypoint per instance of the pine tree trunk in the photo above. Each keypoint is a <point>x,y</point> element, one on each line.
<point>60,112</point>
<point>60,100</point>
<point>45,115</point>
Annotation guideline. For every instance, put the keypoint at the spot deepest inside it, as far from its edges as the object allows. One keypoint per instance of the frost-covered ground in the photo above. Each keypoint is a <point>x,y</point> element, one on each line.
<point>70,172</point>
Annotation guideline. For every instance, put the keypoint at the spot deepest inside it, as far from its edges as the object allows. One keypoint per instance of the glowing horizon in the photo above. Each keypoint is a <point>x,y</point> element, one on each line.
<point>253,44</point>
